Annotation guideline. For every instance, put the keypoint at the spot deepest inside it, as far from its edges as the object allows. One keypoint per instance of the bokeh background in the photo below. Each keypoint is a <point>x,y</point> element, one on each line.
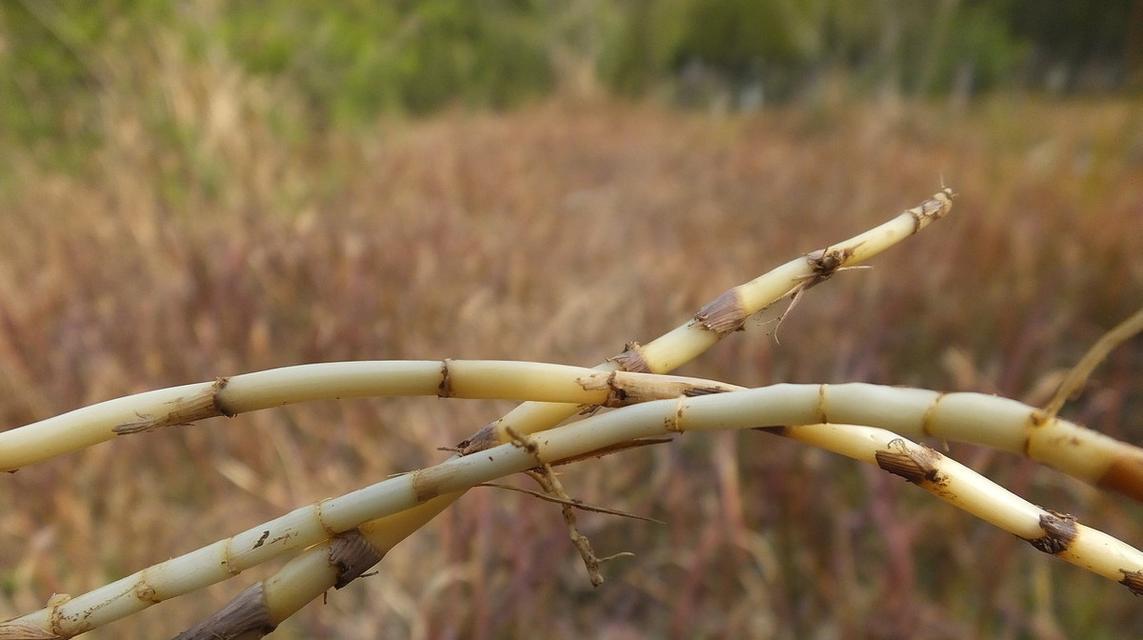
<point>195,189</point>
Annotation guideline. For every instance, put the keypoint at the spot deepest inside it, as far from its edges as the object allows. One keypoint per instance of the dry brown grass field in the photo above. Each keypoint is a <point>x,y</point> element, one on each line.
<point>557,233</point>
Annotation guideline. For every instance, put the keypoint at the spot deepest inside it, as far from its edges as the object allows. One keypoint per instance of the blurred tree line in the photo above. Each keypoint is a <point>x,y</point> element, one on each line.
<point>784,47</point>
<point>346,62</point>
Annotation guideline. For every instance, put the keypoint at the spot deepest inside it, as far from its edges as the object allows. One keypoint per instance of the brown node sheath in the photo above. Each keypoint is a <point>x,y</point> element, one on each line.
<point>183,411</point>
<point>692,392</point>
<point>825,263</point>
<point>631,359</point>
<point>616,393</point>
<point>673,421</point>
<point>55,617</point>
<point>586,409</point>
<point>483,439</point>
<point>423,487</point>
<point>246,614</point>
<point>145,591</point>
<point>1133,580</point>
<point>935,207</point>
<point>227,558</point>
<point>20,631</point>
<point>444,389</point>
<point>927,418</point>
<point>623,389</point>
<point>724,314</point>
<point>1036,419</point>
<point>220,383</point>
<point>352,554</point>
<point>616,397</point>
<point>319,515</point>
<point>914,465</point>
<point>917,218</point>
<point>823,413</point>
<point>1059,531</point>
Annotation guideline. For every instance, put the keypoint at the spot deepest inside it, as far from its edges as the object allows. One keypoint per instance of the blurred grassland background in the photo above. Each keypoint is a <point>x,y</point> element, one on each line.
<point>191,190</point>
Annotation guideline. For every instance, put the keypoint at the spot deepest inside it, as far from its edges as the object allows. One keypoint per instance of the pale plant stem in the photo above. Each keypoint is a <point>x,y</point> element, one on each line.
<point>481,379</point>
<point>907,410</point>
<point>1010,425</point>
<point>1048,531</point>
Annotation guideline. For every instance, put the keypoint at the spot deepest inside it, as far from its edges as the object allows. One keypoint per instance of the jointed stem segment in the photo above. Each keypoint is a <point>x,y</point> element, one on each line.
<point>725,314</point>
<point>334,380</point>
<point>1046,530</point>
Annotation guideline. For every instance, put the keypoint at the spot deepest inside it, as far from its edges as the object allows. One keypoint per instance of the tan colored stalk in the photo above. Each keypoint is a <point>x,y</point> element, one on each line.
<point>352,553</point>
<point>490,379</point>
